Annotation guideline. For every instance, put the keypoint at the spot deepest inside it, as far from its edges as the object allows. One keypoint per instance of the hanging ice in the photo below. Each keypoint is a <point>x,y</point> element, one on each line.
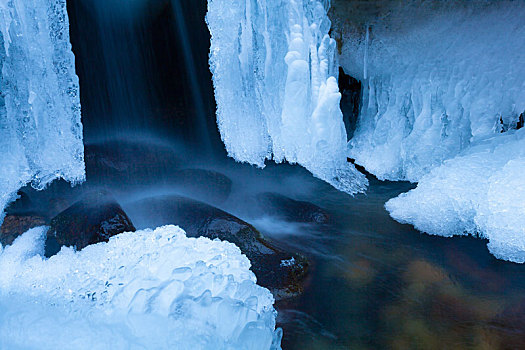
<point>441,75</point>
<point>141,290</point>
<point>444,92</point>
<point>40,129</point>
<point>277,96</point>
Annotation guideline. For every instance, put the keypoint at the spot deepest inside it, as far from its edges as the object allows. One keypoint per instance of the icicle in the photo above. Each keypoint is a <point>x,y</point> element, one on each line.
<point>365,57</point>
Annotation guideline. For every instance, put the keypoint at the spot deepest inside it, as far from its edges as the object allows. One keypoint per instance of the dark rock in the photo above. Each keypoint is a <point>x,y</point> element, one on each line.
<point>94,219</point>
<point>47,203</point>
<point>290,209</point>
<point>14,225</point>
<point>22,204</point>
<point>277,270</point>
<point>207,185</point>
<point>129,163</point>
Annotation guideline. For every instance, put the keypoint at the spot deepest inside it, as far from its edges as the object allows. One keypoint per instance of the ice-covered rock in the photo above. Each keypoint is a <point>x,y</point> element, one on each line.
<point>480,192</point>
<point>151,289</point>
<point>437,77</point>
<point>40,129</point>
<point>274,72</point>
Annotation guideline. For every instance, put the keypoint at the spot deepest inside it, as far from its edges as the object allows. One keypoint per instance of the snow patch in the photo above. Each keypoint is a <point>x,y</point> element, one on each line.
<point>480,192</point>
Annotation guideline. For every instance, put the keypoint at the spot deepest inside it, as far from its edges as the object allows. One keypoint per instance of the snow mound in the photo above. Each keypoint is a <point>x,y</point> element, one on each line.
<point>480,192</point>
<point>151,289</point>
<point>275,78</point>
<point>40,129</point>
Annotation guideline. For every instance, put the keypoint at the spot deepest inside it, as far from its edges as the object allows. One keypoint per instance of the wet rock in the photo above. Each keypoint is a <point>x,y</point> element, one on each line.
<point>277,270</point>
<point>94,219</point>
<point>47,203</point>
<point>292,210</point>
<point>207,185</point>
<point>129,163</point>
<point>14,225</point>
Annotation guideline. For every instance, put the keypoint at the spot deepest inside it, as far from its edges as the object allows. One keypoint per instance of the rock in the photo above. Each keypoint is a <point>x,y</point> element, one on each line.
<point>277,270</point>
<point>129,163</point>
<point>292,210</point>
<point>14,225</point>
<point>47,203</point>
<point>207,185</point>
<point>94,219</point>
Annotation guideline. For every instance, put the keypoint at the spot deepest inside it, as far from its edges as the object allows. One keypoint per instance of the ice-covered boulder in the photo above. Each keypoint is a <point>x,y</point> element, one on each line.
<point>151,289</point>
<point>199,219</point>
<point>93,219</point>
<point>480,192</point>
<point>275,78</point>
<point>40,129</point>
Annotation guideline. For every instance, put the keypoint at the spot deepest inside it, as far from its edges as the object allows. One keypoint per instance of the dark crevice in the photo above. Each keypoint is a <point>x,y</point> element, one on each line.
<point>350,89</point>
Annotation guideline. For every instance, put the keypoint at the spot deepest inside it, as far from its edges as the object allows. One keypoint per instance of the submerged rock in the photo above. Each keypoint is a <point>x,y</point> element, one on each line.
<point>281,272</point>
<point>14,225</point>
<point>291,209</point>
<point>94,219</point>
<point>208,185</point>
<point>129,163</point>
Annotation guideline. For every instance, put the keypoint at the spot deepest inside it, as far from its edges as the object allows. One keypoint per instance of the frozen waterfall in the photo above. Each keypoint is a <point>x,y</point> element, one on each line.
<point>441,76</point>
<point>274,72</point>
<point>40,129</point>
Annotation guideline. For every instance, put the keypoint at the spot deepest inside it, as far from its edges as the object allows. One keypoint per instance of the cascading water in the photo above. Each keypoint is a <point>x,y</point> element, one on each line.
<point>151,79</point>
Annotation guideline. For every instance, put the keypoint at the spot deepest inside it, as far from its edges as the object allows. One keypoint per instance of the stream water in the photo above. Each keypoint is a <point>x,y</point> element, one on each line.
<point>375,283</point>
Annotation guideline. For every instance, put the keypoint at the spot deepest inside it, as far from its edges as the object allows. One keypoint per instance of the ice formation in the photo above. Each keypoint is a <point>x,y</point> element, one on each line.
<point>151,289</point>
<point>274,72</point>
<point>40,129</point>
<point>480,192</point>
<point>440,76</point>
<point>444,87</point>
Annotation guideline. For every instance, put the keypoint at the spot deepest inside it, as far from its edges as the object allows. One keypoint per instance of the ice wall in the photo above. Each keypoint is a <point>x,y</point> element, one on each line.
<point>480,192</point>
<point>437,77</point>
<point>444,87</point>
<point>274,74</point>
<point>40,129</point>
<point>150,289</point>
